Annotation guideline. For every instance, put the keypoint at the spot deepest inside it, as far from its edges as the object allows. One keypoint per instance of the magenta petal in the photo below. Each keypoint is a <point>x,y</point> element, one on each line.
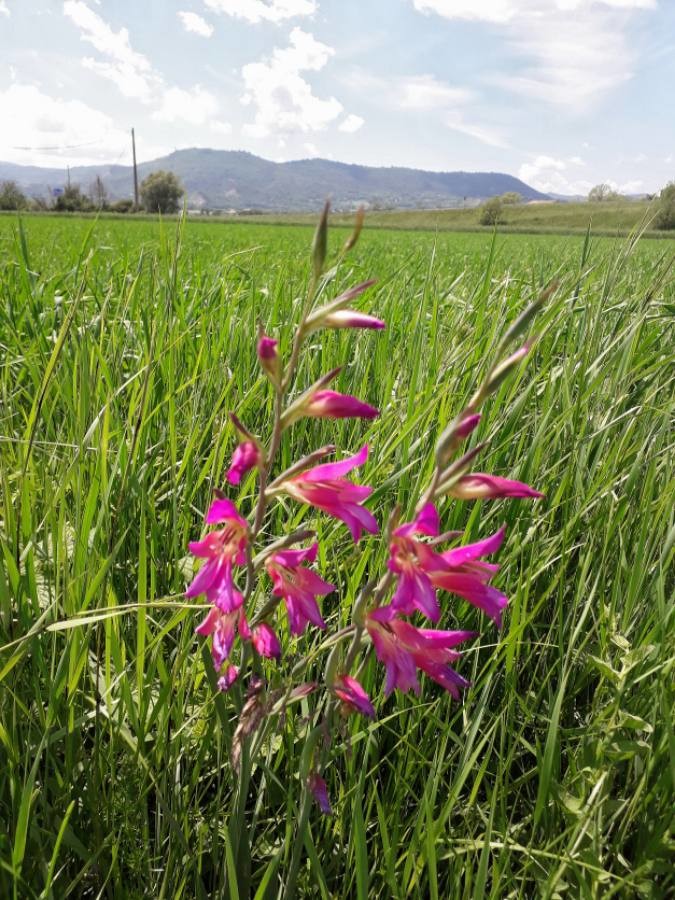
<point>226,680</point>
<point>223,510</point>
<point>351,692</point>
<point>425,522</point>
<point>208,624</point>
<point>470,552</point>
<point>329,471</point>
<point>265,641</point>
<point>290,559</point>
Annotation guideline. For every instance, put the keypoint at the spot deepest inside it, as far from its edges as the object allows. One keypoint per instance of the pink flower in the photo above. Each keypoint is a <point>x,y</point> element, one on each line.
<point>246,456</point>
<point>403,649</point>
<point>265,642</point>
<point>269,357</point>
<point>221,549</point>
<point>413,561</point>
<point>298,586</point>
<point>229,677</point>
<point>324,488</point>
<point>332,405</point>
<point>319,791</point>
<point>224,626</point>
<point>350,318</point>
<point>353,695</point>
<point>478,485</point>
<point>468,576</point>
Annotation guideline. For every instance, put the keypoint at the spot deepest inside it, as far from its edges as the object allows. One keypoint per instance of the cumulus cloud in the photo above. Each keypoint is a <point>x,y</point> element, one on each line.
<point>130,71</point>
<point>572,51</point>
<point>552,175</point>
<point>50,128</point>
<point>195,24</point>
<point>4,9</point>
<point>255,11</point>
<point>282,99</point>
<point>133,74</point>
<point>351,123</point>
<point>194,106</point>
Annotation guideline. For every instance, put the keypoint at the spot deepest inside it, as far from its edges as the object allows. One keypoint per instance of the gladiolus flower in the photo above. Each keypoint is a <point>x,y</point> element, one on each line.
<point>350,318</point>
<point>221,549</point>
<point>353,695</point>
<point>265,642</point>
<point>412,561</point>
<point>325,488</point>
<point>468,576</point>
<point>319,791</point>
<point>403,649</point>
<point>226,680</point>
<point>332,405</point>
<point>246,456</point>
<point>299,586</point>
<point>224,626</point>
<point>478,486</point>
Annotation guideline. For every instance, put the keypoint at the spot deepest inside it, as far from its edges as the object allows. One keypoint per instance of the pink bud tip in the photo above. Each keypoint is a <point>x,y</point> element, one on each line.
<point>319,791</point>
<point>229,677</point>
<point>267,348</point>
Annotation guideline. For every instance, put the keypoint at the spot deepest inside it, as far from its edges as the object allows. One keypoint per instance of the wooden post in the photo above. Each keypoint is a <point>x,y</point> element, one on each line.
<point>133,150</point>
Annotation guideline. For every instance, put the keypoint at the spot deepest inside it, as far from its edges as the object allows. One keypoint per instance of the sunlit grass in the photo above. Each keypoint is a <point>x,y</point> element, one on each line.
<point>124,346</point>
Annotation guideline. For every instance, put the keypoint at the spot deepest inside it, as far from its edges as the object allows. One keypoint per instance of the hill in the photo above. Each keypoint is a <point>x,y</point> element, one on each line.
<point>227,179</point>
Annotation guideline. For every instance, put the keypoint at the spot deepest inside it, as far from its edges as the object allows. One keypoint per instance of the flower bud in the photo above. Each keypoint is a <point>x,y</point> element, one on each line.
<point>269,358</point>
<point>246,456</point>
<point>351,318</point>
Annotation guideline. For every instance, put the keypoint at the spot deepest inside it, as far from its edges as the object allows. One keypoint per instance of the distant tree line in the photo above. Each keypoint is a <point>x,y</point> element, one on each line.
<point>492,210</point>
<point>160,192</point>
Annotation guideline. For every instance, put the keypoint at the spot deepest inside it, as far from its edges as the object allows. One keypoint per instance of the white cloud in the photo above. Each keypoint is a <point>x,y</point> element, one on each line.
<point>195,106</point>
<point>312,149</point>
<point>551,176</point>
<point>636,186</point>
<point>351,123</point>
<point>49,130</point>
<point>255,11</point>
<point>129,70</point>
<point>195,24</point>
<point>283,100</point>
<point>426,92</point>
<point>4,9</point>
<point>571,52</point>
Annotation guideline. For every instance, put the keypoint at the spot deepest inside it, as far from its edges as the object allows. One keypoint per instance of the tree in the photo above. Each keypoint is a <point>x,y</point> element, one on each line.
<point>98,193</point>
<point>602,193</point>
<point>11,196</point>
<point>72,200</point>
<point>161,191</point>
<point>665,218</point>
<point>511,197</point>
<point>491,212</point>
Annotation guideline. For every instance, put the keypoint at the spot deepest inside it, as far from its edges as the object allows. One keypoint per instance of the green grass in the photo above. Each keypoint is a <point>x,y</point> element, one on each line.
<point>123,349</point>
<point>564,218</point>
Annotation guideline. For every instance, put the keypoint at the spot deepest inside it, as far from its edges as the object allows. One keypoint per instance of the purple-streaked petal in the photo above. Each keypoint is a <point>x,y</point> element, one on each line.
<point>479,485</point>
<point>265,642</point>
<point>351,692</point>
<point>229,677</point>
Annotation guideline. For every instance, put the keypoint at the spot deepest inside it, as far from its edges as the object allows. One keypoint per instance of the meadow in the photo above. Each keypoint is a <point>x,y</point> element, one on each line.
<point>125,344</point>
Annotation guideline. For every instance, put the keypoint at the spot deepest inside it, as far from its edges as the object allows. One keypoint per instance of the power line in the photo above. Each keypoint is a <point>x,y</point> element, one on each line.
<point>63,146</point>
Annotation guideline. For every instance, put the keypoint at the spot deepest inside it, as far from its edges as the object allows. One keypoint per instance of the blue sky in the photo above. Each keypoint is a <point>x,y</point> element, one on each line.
<point>563,93</point>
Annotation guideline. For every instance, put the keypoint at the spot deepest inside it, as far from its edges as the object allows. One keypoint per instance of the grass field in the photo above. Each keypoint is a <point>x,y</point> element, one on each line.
<point>124,346</point>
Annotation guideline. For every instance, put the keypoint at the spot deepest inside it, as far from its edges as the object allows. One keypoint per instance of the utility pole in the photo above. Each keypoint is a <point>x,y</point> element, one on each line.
<point>68,173</point>
<point>133,151</point>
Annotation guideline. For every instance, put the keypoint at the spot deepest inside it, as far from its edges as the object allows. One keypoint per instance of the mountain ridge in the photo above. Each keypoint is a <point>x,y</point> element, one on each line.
<point>239,180</point>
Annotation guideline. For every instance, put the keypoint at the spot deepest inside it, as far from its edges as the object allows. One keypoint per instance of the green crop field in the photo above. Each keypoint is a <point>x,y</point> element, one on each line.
<point>125,344</point>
